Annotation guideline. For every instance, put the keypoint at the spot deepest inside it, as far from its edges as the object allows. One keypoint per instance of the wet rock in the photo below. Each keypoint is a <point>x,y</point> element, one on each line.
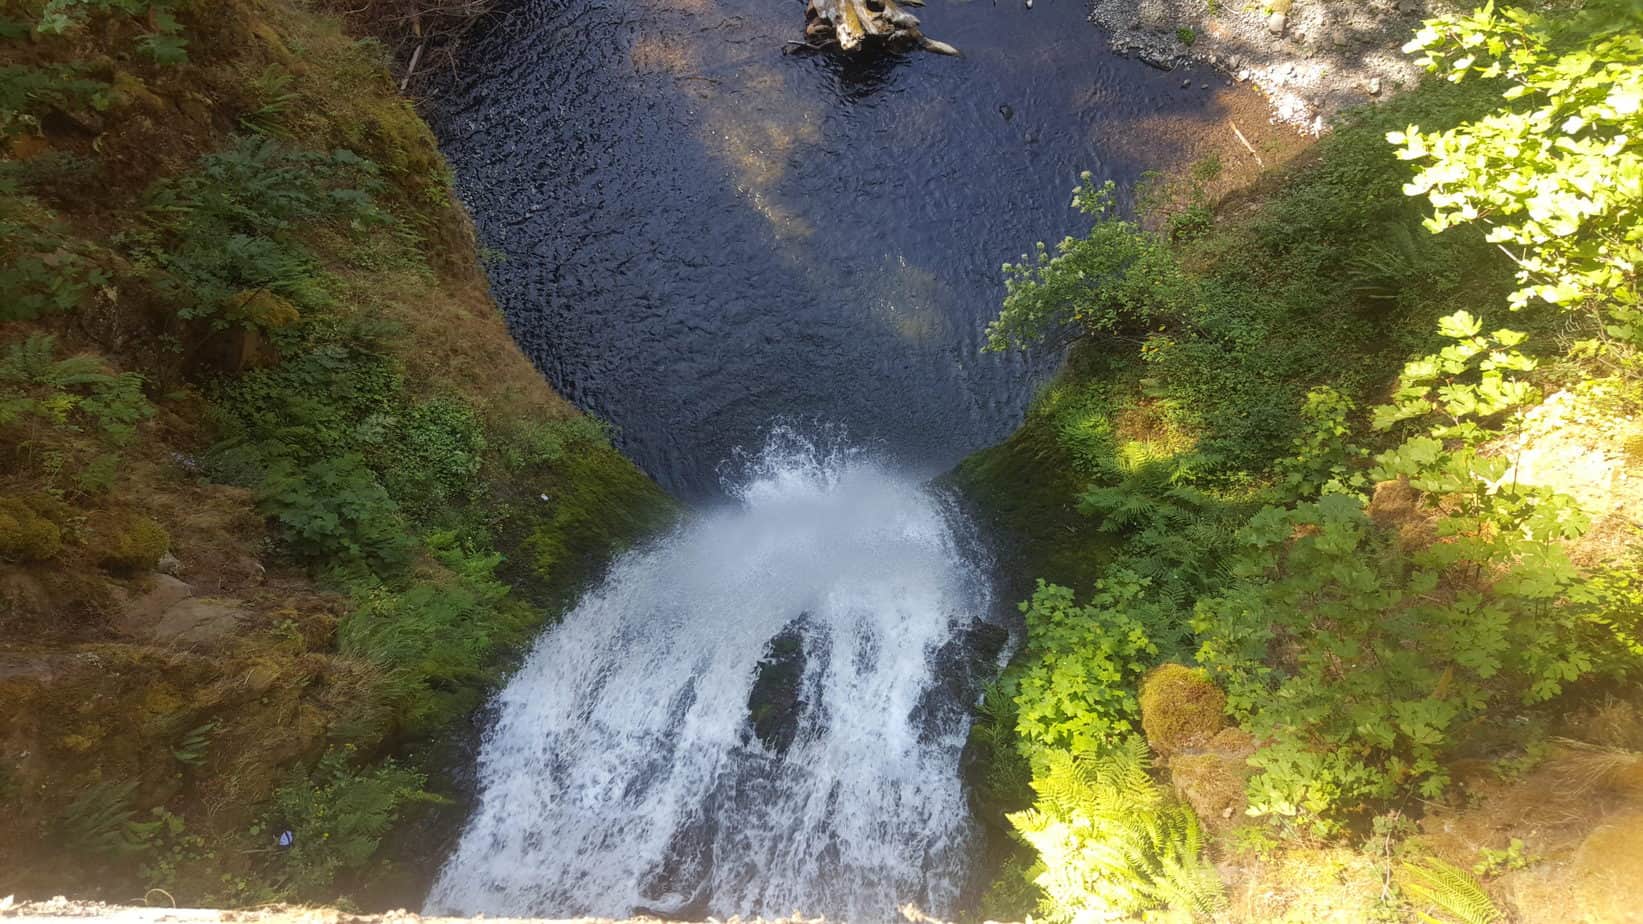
<point>775,705</point>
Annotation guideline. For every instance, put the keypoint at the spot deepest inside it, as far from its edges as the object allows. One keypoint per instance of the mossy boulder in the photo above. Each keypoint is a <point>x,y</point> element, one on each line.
<point>26,534</point>
<point>1214,780</point>
<point>129,542</point>
<point>1181,708</point>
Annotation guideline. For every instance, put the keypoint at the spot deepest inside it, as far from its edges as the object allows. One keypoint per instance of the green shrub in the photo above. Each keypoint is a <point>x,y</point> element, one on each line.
<point>1330,283</point>
<point>234,226</point>
<point>66,420</point>
<point>43,269</point>
<point>101,821</point>
<point>1180,708</point>
<point>1082,663</point>
<point>428,456</point>
<point>333,512</point>
<point>1111,845</point>
<point>1117,280</point>
<point>438,638</point>
<point>26,92</point>
<point>547,442</point>
<point>1556,172</point>
<point>163,42</point>
<point>338,815</point>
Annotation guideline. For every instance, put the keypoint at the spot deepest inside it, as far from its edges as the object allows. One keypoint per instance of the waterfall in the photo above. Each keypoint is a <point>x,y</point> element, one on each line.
<point>760,713</point>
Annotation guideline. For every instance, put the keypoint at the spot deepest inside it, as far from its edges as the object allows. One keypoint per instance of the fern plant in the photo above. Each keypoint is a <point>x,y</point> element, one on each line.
<point>101,821</point>
<point>1176,532</point>
<point>1439,887</point>
<point>1110,845</point>
<point>65,418</point>
<point>232,229</point>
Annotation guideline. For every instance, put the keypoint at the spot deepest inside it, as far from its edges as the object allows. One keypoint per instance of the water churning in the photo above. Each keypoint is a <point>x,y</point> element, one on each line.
<point>624,773</point>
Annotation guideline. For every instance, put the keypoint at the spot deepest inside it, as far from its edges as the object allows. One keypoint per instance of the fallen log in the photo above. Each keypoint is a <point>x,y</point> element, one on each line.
<point>856,24</point>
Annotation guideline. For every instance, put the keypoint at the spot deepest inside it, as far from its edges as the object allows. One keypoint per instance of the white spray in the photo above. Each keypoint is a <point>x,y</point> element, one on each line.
<point>623,776</point>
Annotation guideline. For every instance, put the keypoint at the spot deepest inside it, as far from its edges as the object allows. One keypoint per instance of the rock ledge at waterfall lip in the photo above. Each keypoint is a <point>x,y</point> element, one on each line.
<point>58,909</point>
<point>1312,59</point>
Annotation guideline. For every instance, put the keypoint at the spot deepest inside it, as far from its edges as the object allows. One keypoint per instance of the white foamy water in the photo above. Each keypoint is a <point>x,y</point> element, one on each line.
<point>623,774</point>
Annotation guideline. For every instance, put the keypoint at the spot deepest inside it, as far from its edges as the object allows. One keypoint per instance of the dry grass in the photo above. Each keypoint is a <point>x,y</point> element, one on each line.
<point>424,34</point>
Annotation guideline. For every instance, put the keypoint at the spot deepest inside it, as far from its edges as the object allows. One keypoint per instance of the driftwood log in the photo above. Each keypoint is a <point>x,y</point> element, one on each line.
<point>856,24</point>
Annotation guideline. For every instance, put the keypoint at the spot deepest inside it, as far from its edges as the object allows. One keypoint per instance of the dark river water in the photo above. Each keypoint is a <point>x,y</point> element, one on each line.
<point>696,235</point>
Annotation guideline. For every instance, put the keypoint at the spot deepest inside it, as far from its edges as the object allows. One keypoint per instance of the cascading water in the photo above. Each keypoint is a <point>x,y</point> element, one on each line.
<point>626,772</point>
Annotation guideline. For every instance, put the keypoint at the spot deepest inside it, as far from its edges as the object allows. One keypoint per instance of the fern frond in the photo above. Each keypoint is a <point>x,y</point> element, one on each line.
<point>1450,890</point>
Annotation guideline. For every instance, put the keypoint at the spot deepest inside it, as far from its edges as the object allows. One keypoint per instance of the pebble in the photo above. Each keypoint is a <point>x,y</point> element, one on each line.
<point>1276,23</point>
<point>1374,86</point>
<point>1186,84</point>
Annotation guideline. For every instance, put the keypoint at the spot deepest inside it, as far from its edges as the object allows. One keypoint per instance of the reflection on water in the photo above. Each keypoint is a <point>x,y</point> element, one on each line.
<point>703,233</point>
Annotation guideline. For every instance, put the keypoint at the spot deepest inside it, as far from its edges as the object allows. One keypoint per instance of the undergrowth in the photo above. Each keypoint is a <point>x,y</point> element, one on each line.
<point>1347,549</point>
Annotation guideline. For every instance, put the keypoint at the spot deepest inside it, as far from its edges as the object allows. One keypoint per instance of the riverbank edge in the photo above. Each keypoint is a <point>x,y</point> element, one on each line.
<point>1313,59</point>
<point>166,699</point>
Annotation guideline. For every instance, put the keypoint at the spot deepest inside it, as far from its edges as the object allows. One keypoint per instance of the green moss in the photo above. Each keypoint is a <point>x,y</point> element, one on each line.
<point>129,542</point>
<point>1180,708</point>
<point>25,535</point>
<point>592,504</point>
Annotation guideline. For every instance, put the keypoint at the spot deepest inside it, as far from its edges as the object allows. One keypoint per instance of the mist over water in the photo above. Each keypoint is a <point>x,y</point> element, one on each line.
<point>624,775</point>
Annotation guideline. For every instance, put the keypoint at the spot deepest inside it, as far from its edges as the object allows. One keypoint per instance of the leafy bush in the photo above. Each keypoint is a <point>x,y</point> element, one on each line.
<point>338,816</point>
<point>1325,461</point>
<point>66,420</point>
<point>437,638</point>
<point>1334,265</point>
<point>101,820</point>
<point>333,511</point>
<point>1556,173</point>
<point>1082,664</point>
<point>163,41</point>
<point>1117,280</point>
<point>232,228</point>
<point>43,269</point>
<point>26,92</point>
<point>1356,654</point>
<point>1111,846</point>
<point>429,455</point>
<point>547,442</point>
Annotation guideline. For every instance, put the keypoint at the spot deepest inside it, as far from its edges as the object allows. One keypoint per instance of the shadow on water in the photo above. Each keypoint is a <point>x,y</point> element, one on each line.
<point>699,232</point>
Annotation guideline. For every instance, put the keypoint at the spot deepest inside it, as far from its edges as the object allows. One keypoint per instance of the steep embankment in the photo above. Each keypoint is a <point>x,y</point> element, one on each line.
<point>278,493</point>
<point>1346,580</point>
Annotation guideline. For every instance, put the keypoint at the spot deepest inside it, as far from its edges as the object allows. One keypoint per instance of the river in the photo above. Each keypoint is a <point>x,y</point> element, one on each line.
<point>771,273</point>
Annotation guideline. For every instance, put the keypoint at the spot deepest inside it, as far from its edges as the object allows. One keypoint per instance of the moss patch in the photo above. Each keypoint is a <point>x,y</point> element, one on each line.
<point>1181,708</point>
